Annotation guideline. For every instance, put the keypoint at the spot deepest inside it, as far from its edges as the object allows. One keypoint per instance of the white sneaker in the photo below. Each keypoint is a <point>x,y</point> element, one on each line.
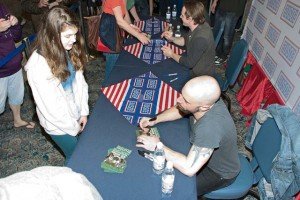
<point>219,61</point>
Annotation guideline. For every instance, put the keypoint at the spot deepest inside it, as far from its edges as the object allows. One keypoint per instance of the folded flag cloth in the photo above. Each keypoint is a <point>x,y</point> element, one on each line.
<point>152,52</point>
<point>152,26</point>
<point>142,96</point>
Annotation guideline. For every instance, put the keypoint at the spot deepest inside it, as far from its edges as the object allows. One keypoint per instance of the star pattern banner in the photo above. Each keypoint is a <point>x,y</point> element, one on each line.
<point>272,31</point>
<point>142,96</point>
<point>152,26</point>
<point>152,52</point>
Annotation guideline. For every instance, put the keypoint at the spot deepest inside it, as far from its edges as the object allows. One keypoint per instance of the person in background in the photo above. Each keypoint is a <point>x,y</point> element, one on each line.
<point>199,42</point>
<point>228,11</point>
<point>132,9</point>
<point>37,7</point>
<point>144,8</point>
<point>11,76</point>
<point>55,75</point>
<point>213,156</point>
<point>117,8</point>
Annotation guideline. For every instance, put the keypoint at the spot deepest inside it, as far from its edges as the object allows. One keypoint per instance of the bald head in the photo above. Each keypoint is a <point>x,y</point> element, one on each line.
<point>203,90</point>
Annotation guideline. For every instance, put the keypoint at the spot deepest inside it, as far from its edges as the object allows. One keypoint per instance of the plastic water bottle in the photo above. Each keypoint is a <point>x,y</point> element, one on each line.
<point>170,28</point>
<point>168,14</point>
<point>167,179</point>
<point>174,12</point>
<point>177,32</point>
<point>159,159</point>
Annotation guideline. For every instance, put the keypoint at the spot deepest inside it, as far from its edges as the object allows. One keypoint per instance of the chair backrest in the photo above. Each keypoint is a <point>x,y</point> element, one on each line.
<point>218,36</point>
<point>235,62</point>
<point>266,146</point>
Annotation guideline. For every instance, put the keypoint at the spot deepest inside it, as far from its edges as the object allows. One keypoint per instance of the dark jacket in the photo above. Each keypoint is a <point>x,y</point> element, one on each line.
<point>200,52</point>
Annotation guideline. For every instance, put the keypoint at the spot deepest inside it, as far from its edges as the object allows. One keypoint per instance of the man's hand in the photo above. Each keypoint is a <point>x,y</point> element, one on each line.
<point>82,122</point>
<point>4,24</point>
<point>167,51</point>
<point>168,35</point>
<point>147,142</point>
<point>145,123</point>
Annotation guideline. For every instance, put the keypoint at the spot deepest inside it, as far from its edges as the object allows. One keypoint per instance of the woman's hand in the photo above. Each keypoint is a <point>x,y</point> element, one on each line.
<point>43,3</point>
<point>4,24</point>
<point>142,37</point>
<point>82,122</point>
<point>136,28</point>
<point>13,20</point>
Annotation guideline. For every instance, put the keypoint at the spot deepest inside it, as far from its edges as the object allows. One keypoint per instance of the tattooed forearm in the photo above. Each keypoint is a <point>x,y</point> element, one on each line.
<point>201,152</point>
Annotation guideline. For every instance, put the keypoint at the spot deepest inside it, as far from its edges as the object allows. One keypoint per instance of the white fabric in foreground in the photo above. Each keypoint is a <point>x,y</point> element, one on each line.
<point>47,183</point>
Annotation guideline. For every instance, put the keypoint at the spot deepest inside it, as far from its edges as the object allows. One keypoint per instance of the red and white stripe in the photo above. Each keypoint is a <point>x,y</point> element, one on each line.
<point>117,93</point>
<point>164,25</point>
<point>167,97</point>
<point>140,24</point>
<point>135,49</point>
<point>175,49</point>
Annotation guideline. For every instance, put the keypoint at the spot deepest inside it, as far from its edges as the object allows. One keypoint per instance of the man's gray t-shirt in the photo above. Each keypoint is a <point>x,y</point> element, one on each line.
<point>216,130</point>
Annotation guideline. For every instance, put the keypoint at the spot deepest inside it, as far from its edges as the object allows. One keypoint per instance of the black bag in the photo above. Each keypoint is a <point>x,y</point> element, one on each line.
<point>110,33</point>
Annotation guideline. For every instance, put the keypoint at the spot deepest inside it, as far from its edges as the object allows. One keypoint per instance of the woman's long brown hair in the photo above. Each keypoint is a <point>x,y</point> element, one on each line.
<point>48,42</point>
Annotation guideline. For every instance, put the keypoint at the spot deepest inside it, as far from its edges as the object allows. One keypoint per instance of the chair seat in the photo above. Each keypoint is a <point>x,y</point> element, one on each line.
<point>239,187</point>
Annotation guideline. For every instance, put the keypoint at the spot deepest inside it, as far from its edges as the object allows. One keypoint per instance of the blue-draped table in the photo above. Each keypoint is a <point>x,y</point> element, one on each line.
<point>107,128</point>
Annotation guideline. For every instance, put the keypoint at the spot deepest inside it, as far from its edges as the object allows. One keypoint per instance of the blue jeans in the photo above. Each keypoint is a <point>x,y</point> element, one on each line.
<point>111,59</point>
<point>225,43</point>
<point>66,143</point>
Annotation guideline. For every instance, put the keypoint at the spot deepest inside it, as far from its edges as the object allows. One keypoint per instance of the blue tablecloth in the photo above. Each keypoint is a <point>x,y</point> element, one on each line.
<point>107,128</point>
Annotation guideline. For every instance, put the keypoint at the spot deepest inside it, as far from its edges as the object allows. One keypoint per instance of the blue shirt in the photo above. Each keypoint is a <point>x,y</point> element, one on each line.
<point>67,84</point>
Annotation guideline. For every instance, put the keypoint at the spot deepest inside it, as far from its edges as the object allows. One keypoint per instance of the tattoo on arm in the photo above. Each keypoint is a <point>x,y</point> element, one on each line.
<point>201,152</point>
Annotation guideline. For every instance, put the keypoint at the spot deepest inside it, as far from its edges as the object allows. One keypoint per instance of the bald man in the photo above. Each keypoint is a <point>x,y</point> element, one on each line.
<point>214,154</point>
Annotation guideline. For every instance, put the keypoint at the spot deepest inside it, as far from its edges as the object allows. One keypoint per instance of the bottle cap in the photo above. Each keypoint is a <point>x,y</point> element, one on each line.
<point>169,164</point>
<point>159,145</point>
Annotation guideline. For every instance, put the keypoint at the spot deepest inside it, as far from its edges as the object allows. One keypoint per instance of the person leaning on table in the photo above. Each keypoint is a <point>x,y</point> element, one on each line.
<point>117,8</point>
<point>199,42</point>
<point>55,75</point>
<point>213,156</point>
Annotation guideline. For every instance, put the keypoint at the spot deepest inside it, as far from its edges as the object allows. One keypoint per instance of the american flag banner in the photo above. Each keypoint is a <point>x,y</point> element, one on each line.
<point>152,26</point>
<point>152,53</point>
<point>142,96</point>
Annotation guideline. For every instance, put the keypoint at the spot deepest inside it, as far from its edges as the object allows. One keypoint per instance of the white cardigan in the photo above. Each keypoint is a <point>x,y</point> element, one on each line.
<point>47,183</point>
<point>50,98</point>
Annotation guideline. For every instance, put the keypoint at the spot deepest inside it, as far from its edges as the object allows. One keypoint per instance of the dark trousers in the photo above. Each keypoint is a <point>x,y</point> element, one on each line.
<point>225,43</point>
<point>66,143</point>
<point>142,8</point>
<point>208,181</point>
